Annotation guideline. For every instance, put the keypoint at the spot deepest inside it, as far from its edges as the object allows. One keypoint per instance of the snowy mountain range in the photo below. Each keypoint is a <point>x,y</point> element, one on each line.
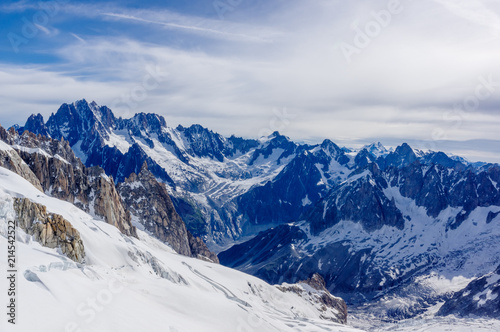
<point>131,283</point>
<point>386,233</point>
<point>214,181</point>
<point>396,232</point>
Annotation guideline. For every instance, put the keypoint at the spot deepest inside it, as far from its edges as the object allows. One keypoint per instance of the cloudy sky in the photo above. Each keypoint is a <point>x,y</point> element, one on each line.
<point>426,72</point>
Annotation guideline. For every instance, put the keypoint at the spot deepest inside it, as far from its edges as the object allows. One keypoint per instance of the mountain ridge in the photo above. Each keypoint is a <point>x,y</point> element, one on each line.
<point>359,218</point>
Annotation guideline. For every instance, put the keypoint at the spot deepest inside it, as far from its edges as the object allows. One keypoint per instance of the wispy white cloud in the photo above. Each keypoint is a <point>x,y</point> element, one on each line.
<point>200,28</point>
<point>18,6</point>
<point>474,11</point>
<point>48,31</point>
<point>78,38</point>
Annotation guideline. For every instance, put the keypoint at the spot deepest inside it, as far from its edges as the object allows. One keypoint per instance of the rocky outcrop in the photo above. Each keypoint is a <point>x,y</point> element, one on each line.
<point>313,290</point>
<point>50,230</point>
<point>481,297</point>
<point>108,203</point>
<point>11,160</point>
<point>53,167</point>
<point>200,250</point>
<point>149,203</point>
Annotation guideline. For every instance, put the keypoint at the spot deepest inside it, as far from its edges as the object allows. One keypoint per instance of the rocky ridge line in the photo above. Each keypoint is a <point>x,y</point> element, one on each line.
<point>151,206</point>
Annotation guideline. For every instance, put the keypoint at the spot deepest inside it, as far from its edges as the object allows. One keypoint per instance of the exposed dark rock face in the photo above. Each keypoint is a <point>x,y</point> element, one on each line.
<point>331,307</point>
<point>403,156</point>
<point>276,142</point>
<point>60,174</point>
<point>107,203</point>
<point>269,255</point>
<point>200,250</point>
<point>281,199</point>
<point>360,199</point>
<point>149,203</point>
<point>277,255</point>
<point>302,183</point>
<point>203,142</point>
<point>363,158</point>
<point>86,127</point>
<point>36,124</point>
<point>491,216</point>
<point>11,161</point>
<point>437,187</point>
<point>376,198</point>
<point>54,168</point>
<point>481,297</point>
<point>50,230</point>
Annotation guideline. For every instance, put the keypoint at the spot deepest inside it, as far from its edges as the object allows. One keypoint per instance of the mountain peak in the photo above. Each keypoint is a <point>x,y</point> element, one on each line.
<point>274,135</point>
<point>404,149</point>
<point>330,146</point>
<point>377,149</point>
<point>149,120</point>
<point>403,155</point>
<point>144,167</point>
<point>36,125</point>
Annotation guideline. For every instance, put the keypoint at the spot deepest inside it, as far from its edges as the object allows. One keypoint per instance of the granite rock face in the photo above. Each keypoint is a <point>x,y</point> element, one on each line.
<point>200,250</point>
<point>108,203</point>
<point>313,289</point>
<point>50,230</point>
<point>150,205</point>
<point>10,159</point>
<point>55,169</point>
<point>52,165</point>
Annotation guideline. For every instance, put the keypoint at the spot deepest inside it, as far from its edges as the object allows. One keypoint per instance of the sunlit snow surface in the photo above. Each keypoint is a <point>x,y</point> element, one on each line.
<point>119,287</point>
<point>425,323</point>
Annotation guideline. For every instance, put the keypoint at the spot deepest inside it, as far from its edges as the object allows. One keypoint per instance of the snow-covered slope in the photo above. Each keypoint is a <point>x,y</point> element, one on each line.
<point>130,284</point>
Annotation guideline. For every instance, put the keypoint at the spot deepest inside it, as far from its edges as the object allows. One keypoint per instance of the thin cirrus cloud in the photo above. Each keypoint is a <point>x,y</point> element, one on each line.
<point>198,29</point>
<point>232,75</point>
<point>474,11</point>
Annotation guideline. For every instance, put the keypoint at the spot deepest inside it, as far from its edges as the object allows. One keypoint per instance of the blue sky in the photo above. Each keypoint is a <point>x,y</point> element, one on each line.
<point>353,71</point>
